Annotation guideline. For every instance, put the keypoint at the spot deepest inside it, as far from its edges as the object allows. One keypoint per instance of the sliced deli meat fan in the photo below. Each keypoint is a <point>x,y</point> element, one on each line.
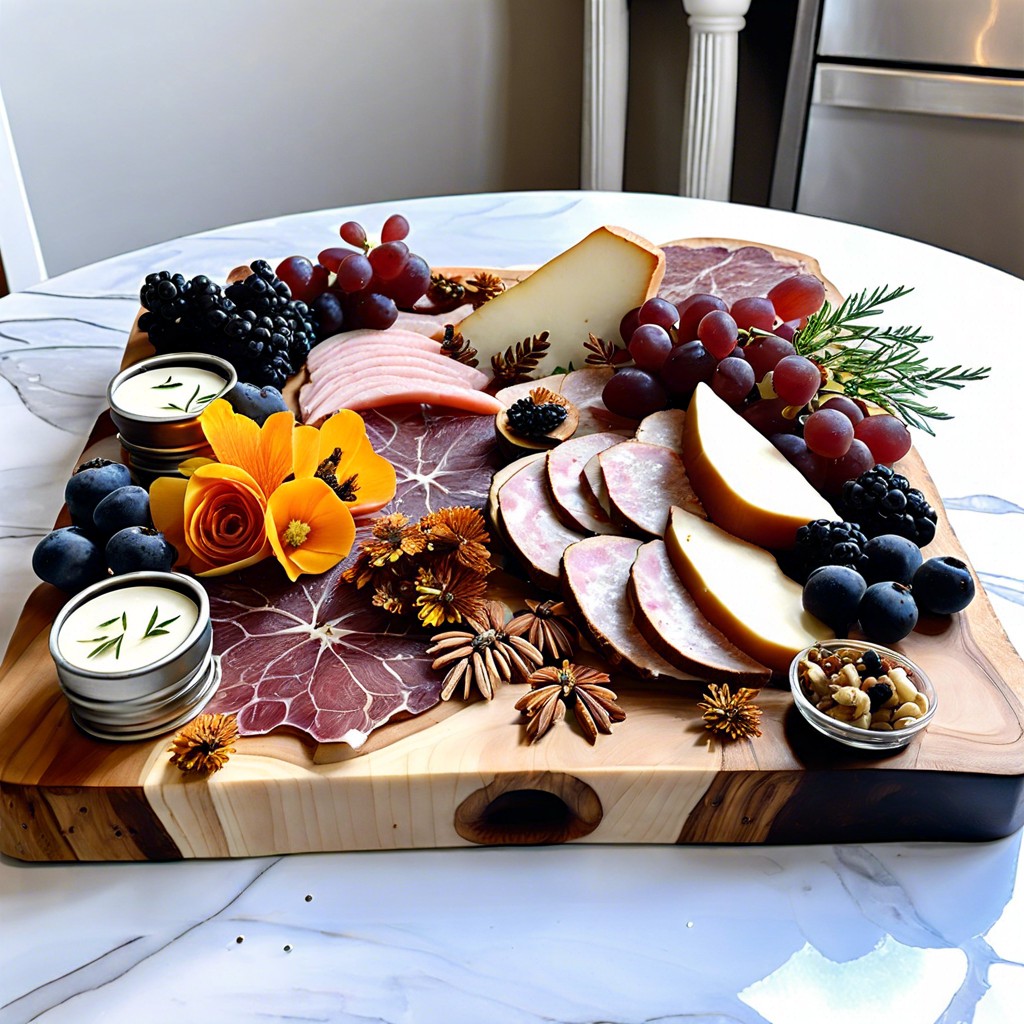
<point>571,498</point>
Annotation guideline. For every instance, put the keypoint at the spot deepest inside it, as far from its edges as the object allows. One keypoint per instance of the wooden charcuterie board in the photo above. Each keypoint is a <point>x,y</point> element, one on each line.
<point>464,774</point>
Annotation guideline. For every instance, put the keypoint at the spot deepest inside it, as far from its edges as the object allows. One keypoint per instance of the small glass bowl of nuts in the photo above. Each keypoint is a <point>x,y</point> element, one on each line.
<point>862,695</point>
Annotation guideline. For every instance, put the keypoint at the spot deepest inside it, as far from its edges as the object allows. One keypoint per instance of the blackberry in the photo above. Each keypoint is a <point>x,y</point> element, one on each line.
<point>528,419</point>
<point>881,501</point>
<point>253,323</point>
<point>824,542</point>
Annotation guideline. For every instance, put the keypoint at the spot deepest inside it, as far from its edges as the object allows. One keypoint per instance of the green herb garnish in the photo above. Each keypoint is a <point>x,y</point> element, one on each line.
<point>158,628</point>
<point>198,400</point>
<point>107,642</point>
<point>169,383</point>
<point>882,365</point>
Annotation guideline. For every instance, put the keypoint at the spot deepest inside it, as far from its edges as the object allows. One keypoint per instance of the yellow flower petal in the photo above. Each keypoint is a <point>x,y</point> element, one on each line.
<point>308,502</point>
<point>375,480</point>
<point>265,453</point>
<point>167,510</point>
<point>345,430</point>
<point>305,450</point>
<point>189,466</point>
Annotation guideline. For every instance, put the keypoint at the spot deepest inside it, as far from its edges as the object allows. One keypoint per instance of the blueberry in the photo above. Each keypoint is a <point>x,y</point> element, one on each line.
<point>887,612</point>
<point>891,557</point>
<point>127,506</point>
<point>69,559</point>
<point>833,594</point>
<point>943,585</point>
<point>255,402</point>
<point>138,548</point>
<point>92,482</point>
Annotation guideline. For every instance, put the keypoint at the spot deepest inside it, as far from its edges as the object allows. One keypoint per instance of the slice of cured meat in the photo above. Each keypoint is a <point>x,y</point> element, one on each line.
<point>500,478</point>
<point>583,388</point>
<point>432,325</point>
<point>353,341</point>
<point>664,428</point>
<point>531,528</point>
<point>379,392</point>
<point>573,503</point>
<point>667,616</point>
<point>596,575</point>
<point>643,481</point>
<point>592,482</point>
<point>731,269</point>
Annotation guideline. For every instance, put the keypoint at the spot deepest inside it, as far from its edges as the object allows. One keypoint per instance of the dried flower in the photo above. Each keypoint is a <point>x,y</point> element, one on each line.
<point>548,627</point>
<point>484,654</point>
<point>518,361</point>
<point>735,716</point>
<point>603,353</point>
<point>461,531</point>
<point>574,686</point>
<point>483,287</point>
<point>449,593</point>
<point>394,537</point>
<point>455,345</point>
<point>203,746</point>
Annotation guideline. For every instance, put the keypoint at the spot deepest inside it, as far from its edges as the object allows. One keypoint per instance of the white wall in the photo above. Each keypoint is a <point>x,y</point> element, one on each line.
<point>137,120</point>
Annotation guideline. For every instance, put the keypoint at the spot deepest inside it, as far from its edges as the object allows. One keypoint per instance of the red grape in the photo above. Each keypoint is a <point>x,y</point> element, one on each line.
<point>813,467</point>
<point>766,417</point>
<point>634,393</point>
<point>732,380</point>
<point>629,323</point>
<point>847,406</point>
<point>650,346</point>
<point>329,313</point>
<point>753,312</point>
<point>331,258</point>
<point>686,367</point>
<point>886,436</point>
<point>693,310</point>
<point>411,282</point>
<point>829,433</point>
<point>856,461</point>
<point>372,310</point>
<point>305,280</point>
<point>797,297</point>
<point>796,379</point>
<point>786,331</point>
<point>764,352</point>
<point>396,227</point>
<point>717,332</point>
<point>355,273</point>
<point>660,312</point>
<point>353,233</point>
<point>388,258</point>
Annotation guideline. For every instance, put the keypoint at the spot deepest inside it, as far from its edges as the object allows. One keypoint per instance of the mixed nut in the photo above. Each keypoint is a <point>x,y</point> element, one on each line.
<point>861,688</point>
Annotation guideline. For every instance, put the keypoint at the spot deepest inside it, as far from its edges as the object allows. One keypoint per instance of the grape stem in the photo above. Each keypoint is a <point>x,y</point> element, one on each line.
<point>882,365</point>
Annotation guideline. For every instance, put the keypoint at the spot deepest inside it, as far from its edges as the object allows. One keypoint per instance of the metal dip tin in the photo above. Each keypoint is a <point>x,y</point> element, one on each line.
<point>134,654</point>
<point>155,405</point>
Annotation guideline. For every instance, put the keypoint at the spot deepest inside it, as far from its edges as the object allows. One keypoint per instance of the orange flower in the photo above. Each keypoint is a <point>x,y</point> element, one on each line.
<point>340,453</point>
<point>310,528</point>
<point>265,453</point>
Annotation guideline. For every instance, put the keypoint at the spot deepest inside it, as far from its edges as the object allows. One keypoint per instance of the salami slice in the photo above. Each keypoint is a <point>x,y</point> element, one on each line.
<point>530,526</point>
<point>667,616</point>
<point>595,575</point>
<point>664,428</point>
<point>572,502</point>
<point>643,481</point>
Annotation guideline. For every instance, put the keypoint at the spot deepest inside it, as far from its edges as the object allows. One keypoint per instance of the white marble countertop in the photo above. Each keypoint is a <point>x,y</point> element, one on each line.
<point>860,934</point>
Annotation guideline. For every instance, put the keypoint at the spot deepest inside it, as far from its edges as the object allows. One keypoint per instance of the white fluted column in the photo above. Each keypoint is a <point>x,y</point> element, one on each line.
<point>710,118</point>
<point>605,85</point>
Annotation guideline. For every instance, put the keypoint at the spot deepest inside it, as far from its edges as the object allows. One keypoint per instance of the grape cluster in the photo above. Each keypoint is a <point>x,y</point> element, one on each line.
<point>254,323</point>
<point>370,283</point>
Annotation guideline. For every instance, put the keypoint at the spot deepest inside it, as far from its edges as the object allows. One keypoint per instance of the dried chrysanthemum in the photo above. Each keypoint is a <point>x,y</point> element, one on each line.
<point>449,593</point>
<point>736,716</point>
<point>203,746</point>
<point>461,531</point>
<point>574,686</point>
<point>483,653</point>
<point>548,627</point>
<point>393,537</point>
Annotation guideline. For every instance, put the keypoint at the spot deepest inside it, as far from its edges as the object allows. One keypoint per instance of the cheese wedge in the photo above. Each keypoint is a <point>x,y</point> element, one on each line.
<point>585,290</point>
<point>742,591</point>
<point>744,482</point>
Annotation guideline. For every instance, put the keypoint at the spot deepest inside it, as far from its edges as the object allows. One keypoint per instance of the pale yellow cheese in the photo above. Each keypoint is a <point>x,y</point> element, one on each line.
<point>585,290</point>
<point>744,482</point>
<point>741,590</point>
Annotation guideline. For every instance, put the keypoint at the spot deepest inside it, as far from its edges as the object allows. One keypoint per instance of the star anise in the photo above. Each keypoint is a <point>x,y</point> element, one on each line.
<point>573,686</point>
<point>484,654</point>
<point>203,746</point>
<point>517,361</point>
<point>483,287</point>
<point>548,627</point>
<point>735,716</point>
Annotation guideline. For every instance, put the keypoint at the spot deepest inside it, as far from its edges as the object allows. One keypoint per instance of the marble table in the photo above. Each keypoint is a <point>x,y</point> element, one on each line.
<point>859,934</point>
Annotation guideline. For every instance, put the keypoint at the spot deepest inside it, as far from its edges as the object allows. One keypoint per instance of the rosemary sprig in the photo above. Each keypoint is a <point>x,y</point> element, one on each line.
<point>158,628</point>
<point>202,399</point>
<point>882,365</point>
<point>107,642</point>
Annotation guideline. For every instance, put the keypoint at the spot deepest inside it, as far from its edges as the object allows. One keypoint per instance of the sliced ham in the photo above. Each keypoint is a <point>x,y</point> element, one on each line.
<point>371,357</point>
<point>353,340</point>
<point>573,503</point>
<point>592,483</point>
<point>672,623</point>
<point>432,325</point>
<point>664,428</point>
<point>500,478</point>
<point>402,391</point>
<point>643,481</point>
<point>533,531</point>
<point>595,574</point>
